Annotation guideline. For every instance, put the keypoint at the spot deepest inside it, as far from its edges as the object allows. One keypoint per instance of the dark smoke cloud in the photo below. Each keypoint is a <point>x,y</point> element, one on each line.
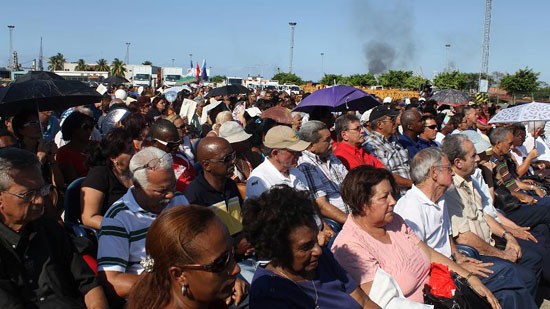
<point>387,30</point>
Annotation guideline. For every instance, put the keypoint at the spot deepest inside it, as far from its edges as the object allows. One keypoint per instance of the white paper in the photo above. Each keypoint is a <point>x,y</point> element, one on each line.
<point>101,89</point>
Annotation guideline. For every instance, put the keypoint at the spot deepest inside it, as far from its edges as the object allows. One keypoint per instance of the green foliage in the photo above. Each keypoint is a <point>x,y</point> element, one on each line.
<point>102,65</point>
<point>147,62</point>
<point>414,82</point>
<point>524,81</point>
<point>329,79</point>
<point>394,79</point>
<point>81,65</point>
<point>364,80</point>
<point>56,63</point>
<point>451,80</point>
<point>118,68</point>
<point>217,78</point>
<point>287,78</point>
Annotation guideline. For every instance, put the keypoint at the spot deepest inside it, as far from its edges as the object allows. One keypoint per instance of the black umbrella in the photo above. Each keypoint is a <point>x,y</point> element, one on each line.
<point>45,91</point>
<point>115,80</point>
<point>226,90</point>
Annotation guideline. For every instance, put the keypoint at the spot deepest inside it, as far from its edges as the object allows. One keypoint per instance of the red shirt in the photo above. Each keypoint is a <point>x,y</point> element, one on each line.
<point>184,171</point>
<point>66,155</point>
<point>352,156</point>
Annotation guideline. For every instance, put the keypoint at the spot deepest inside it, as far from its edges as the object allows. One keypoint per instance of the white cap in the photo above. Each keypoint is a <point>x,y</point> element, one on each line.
<point>121,94</point>
<point>387,100</point>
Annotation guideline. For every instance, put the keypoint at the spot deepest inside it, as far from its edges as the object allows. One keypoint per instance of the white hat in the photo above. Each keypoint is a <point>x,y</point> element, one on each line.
<point>387,100</point>
<point>233,132</point>
<point>121,94</point>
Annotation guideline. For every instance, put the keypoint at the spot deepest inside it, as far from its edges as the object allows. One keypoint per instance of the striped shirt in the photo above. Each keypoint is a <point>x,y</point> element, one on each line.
<point>122,234</point>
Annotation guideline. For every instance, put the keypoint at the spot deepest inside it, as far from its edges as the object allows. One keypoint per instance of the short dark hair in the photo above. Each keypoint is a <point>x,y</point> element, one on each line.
<point>134,124</point>
<point>270,218</point>
<point>72,123</point>
<point>357,187</point>
<point>342,124</point>
<point>453,146</point>
<point>113,144</point>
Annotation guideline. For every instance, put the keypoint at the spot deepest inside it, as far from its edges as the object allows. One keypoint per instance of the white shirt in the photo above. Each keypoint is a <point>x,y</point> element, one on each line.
<point>483,189</point>
<point>266,176</point>
<point>429,220</point>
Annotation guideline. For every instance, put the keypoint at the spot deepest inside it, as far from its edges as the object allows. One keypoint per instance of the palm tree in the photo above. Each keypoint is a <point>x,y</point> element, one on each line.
<point>81,65</point>
<point>57,62</point>
<point>102,65</point>
<point>147,62</point>
<point>118,68</point>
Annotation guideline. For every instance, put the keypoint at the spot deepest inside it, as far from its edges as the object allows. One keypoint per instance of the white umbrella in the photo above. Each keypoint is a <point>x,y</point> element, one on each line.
<point>534,111</point>
<point>177,89</point>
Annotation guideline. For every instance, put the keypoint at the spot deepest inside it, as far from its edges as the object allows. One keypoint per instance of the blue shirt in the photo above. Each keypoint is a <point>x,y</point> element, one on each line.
<point>411,146</point>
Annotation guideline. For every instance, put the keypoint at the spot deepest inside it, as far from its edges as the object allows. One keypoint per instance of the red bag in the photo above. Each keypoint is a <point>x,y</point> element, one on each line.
<point>441,283</point>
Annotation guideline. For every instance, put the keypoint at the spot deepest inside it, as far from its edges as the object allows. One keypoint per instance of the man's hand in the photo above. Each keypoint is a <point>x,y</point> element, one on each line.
<point>512,245</point>
<point>474,266</point>
<point>523,233</point>
<point>483,291</point>
<point>240,290</point>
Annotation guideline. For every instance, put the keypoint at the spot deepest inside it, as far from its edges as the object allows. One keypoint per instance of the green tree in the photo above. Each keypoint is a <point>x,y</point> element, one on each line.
<point>118,68</point>
<point>414,82</point>
<point>147,62</point>
<point>57,62</point>
<point>451,80</point>
<point>81,65</point>
<point>218,78</point>
<point>102,65</point>
<point>287,78</point>
<point>524,81</point>
<point>361,80</point>
<point>394,79</point>
<point>331,79</point>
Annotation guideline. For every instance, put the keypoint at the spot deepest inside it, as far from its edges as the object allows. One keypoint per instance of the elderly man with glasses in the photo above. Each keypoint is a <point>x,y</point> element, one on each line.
<point>39,267</point>
<point>125,225</point>
<point>165,136</point>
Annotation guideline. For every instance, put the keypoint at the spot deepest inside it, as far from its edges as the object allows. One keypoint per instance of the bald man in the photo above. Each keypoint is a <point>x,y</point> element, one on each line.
<point>165,137</point>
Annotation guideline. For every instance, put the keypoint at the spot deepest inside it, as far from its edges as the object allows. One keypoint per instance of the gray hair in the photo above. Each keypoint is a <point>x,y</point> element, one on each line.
<point>14,159</point>
<point>423,161</point>
<point>535,125</point>
<point>499,134</point>
<point>221,117</point>
<point>342,124</point>
<point>142,158</point>
<point>309,131</point>
<point>453,146</point>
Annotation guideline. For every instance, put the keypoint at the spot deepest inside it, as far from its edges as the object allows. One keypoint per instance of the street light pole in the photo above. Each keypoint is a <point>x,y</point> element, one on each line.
<point>292,26</point>
<point>173,62</point>
<point>322,63</point>
<point>448,64</point>
<point>10,59</point>
<point>127,58</point>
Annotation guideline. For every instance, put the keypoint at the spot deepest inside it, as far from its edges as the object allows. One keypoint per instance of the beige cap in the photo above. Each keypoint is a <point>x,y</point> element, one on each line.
<point>233,132</point>
<point>283,137</point>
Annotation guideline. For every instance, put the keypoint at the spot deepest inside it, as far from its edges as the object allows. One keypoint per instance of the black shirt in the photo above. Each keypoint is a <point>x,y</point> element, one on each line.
<point>40,268</point>
<point>103,179</point>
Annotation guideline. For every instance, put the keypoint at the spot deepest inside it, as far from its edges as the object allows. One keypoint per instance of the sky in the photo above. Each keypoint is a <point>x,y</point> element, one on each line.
<point>246,37</point>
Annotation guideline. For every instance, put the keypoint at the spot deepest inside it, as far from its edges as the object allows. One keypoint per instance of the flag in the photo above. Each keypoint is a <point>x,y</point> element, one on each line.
<point>204,74</point>
<point>198,72</point>
<point>191,64</point>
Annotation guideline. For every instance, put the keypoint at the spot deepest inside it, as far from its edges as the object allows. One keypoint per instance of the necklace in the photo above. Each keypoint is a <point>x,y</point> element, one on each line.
<point>282,272</point>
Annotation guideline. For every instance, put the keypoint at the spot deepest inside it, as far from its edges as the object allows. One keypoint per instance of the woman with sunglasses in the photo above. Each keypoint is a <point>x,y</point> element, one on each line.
<point>77,129</point>
<point>189,263</point>
<point>280,224</point>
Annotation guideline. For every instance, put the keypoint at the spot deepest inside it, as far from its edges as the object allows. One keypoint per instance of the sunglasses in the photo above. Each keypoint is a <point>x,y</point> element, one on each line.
<point>169,144</point>
<point>432,127</point>
<point>153,164</point>
<point>227,159</point>
<point>220,264</point>
<point>32,195</point>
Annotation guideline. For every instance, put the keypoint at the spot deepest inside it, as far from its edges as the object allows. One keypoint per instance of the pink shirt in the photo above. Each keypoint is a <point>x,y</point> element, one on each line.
<point>361,255</point>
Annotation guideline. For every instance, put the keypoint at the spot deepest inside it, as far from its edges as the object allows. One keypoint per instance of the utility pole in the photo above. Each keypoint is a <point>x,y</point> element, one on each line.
<point>322,64</point>
<point>11,64</point>
<point>127,58</point>
<point>484,73</point>
<point>448,64</point>
<point>40,56</point>
<point>292,26</point>
<point>173,62</point>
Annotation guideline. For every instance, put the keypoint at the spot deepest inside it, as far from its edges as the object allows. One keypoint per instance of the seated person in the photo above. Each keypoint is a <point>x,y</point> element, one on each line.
<point>39,266</point>
<point>375,237</point>
<point>280,224</point>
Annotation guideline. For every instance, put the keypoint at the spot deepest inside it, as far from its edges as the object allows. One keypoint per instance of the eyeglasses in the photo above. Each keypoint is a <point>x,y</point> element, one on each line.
<point>153,164</point>
<point>32,195</point>
<point>219,265</point>
<point>448,167</point>
<point>227,159</point>
<point>31,123</point>
<point>358,129</point>
<point>432,127</point>
<point>169,144</point>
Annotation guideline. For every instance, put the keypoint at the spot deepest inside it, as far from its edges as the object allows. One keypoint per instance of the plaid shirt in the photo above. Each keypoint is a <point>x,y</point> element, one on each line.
<point>390,152</point>
<point>324,178</point>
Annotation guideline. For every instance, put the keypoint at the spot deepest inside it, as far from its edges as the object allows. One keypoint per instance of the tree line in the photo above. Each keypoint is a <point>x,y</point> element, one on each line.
<point>116,68</point>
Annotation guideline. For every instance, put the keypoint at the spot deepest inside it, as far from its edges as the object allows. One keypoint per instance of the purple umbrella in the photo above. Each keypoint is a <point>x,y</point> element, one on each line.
<point>338,99</point>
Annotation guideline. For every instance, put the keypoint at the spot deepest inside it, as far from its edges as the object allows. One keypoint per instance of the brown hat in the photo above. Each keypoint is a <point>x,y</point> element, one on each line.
<point>283,137</point>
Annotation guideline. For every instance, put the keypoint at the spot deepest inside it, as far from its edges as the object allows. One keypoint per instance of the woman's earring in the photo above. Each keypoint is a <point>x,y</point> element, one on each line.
<point>184,290</point>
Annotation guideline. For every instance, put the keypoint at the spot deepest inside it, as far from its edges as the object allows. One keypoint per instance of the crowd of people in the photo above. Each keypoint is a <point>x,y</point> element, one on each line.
<point>236,201</point>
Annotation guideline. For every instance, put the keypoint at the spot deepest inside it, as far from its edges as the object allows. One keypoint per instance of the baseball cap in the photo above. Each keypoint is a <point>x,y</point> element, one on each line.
<point>283,137</point>
<point>381,111</point>
<point>233,132</point>
<point>121,94</point>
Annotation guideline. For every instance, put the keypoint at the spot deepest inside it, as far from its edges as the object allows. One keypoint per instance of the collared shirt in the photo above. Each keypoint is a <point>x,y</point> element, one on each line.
<point>464,206</point>
<point>424,143</point>
<point>352,156</point>
<point>428,220</point>
<point>502,173</point>
<point>122,234</point>
<point>483,189</point>
<point>409,144</point>
<point>324,178</point>
<point>266,175</point>
<point>40,268</point>
<point>226,205</point>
